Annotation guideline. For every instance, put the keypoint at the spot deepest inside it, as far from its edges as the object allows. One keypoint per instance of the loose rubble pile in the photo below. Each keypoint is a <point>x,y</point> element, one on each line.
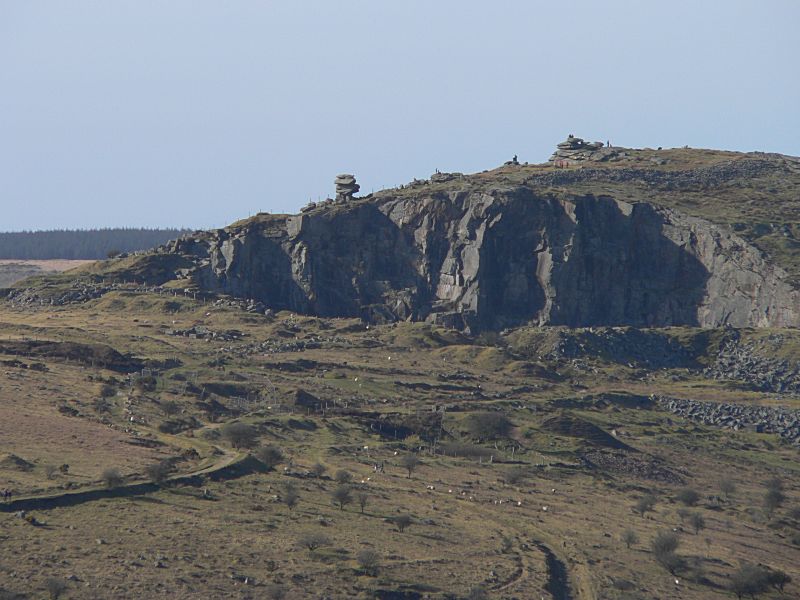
<point>277,346</point>
<point>743,363</point>
<point>641,466</point>
<point>77,293</point>
<point>633,347</point>
<point>204,333</point>
<point>247,305</point>
<point>346,187</point>
<point>762,419</point>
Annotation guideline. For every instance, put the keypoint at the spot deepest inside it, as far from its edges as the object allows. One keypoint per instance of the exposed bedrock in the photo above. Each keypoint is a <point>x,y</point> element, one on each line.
<point>496,259</point>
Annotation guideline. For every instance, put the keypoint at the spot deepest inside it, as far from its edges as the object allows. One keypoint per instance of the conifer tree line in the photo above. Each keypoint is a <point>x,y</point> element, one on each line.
<point>81,244</point>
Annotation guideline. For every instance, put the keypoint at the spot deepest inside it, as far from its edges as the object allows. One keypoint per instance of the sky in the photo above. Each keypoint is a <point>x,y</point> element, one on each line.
<point>199,113</point>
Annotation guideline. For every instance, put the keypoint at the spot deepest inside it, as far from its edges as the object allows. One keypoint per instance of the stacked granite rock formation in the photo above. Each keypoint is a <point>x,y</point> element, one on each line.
<point>346,186</point>
<point>576,149</point>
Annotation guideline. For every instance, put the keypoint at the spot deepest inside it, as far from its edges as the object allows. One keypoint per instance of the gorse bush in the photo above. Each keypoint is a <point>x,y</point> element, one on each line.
<point>239,435</point>
<point>112,478</point>
<point>488,425</point>
<point>270,456</point>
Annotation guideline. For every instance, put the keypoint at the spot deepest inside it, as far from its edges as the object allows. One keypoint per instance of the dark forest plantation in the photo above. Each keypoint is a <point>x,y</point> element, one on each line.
<point>81,244</point>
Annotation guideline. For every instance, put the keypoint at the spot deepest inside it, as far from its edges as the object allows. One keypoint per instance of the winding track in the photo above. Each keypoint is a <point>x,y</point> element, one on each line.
<point>230,464</point>
<point>561,584</point>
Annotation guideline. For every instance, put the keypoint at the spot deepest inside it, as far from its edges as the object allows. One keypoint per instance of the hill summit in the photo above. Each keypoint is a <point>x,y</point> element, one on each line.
<point>599,235</point>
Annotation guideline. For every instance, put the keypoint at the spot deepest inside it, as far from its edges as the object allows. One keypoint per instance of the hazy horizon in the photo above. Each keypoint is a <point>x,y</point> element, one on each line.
<point>196,114</point>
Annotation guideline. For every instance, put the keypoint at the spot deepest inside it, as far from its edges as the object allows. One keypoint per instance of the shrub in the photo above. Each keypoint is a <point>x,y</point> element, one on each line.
<point>171,306</point>
<point>369,561</point>
<point>239,435</point>
<point>489,338</point>
<point>275,591</point>
<point>314,540</point>
<point>101,405</point>
<point>270,456</point>
<point>343,476</point>
<point>776,483</point>
<point>664,546</point>
<point>179,424</point>
<point>55,587</point>
<point>488,425</point>
<point>645,504</point>
<point>671,562</point>
<point>465,450</point>
<point>778,579</point>
<point>170,407</point>
<point>342,496</point>
<point>697,522</point>
<point>409,462</point>
<point>107,391</point>
<point>290,495</point>
<point>773,499</point>
<point>319,469</point>
<point>146,384</point>
<point>50,471</point>
<point>688,496</point>
<point>727,487</point>
<point>665,542</point>
<point>477,592</point>
<point>112,478</point>
<point>630,538</point>
<point>363,498</point>
<point>402,522</point>
<point>515,475</point>
<point>749,580</point>
<point>624,585</point>
<point>159,471</point>
<point>696,571</point>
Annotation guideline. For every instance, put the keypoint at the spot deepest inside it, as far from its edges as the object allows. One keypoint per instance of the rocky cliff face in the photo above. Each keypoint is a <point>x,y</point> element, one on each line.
<point>494,258</point>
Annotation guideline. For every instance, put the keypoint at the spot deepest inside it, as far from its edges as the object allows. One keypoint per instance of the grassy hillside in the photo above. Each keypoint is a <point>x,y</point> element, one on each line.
<point>538,507</point>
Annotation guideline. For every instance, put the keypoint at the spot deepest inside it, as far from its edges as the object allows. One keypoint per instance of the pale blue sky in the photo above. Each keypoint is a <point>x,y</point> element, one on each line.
<point>197,113</point>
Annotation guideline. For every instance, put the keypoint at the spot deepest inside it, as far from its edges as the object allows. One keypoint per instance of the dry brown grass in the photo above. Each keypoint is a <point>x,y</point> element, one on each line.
<point>207,546</point>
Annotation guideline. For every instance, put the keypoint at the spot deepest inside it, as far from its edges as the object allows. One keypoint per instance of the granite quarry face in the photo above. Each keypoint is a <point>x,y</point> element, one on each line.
<point>477,252</point>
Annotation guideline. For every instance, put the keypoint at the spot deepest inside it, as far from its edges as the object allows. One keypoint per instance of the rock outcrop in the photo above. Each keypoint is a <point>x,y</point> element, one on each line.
<point>576,149</point>
<point>346,187</point>
<point>491,258</point>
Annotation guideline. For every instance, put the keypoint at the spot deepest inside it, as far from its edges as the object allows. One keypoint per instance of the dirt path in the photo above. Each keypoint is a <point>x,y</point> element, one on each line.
<point>557,579</point>
<point>560,584</point>
<point>230,465</point>
<point>519,576</point>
